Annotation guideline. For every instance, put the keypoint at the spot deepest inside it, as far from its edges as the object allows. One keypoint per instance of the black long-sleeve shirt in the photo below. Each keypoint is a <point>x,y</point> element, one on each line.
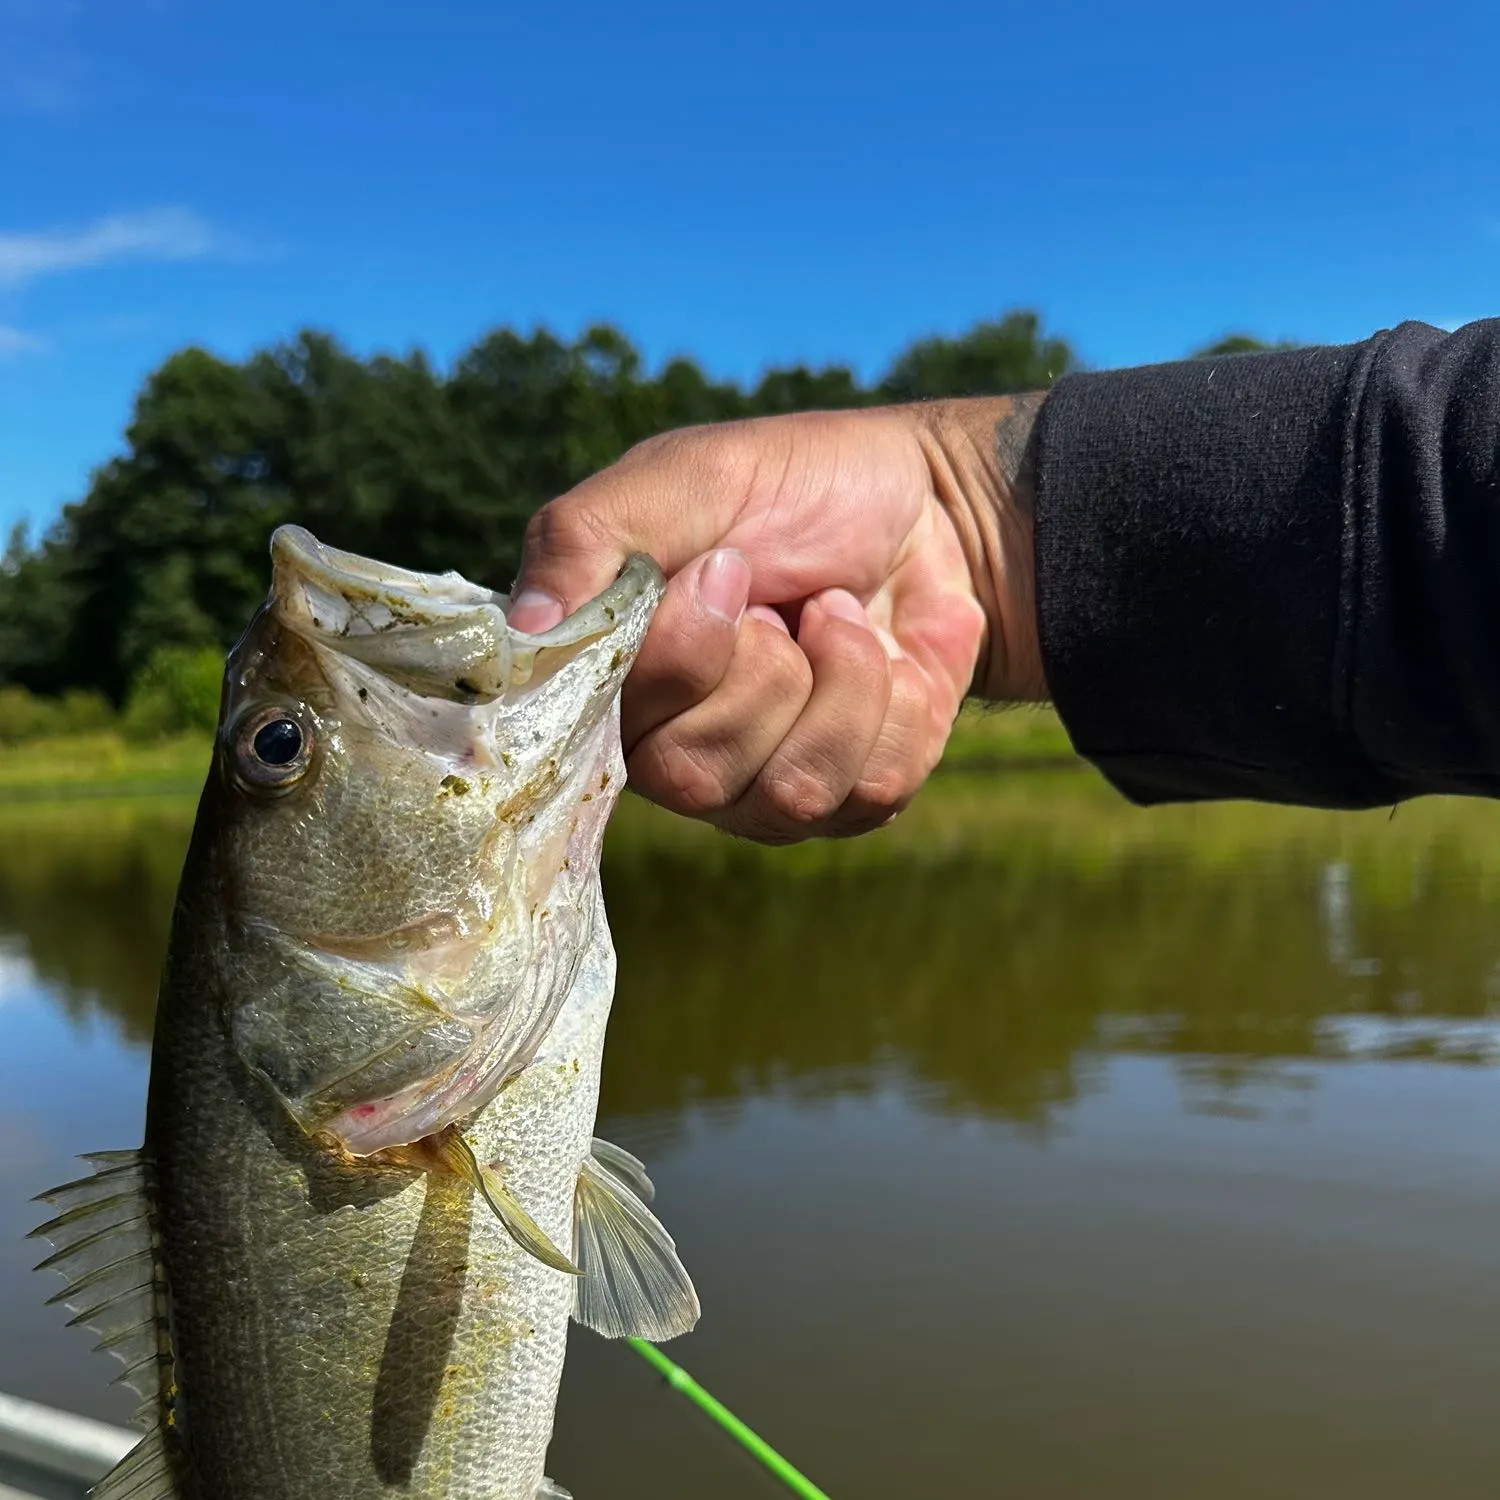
<point>1278,576</point>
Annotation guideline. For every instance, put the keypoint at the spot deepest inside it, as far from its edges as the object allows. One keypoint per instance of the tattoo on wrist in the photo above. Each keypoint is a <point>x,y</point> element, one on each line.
<point>1015,446</point>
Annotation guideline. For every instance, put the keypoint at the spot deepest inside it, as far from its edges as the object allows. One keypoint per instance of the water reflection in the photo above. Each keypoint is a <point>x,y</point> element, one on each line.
<point>989,973</point>
<point>86,895</point>
<point>1041,1147</point>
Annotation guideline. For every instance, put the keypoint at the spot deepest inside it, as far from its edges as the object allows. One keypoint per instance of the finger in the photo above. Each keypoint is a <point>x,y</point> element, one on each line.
<point>674,496</point>
<point>570,554</point>
<point>936,617</point>
<point>812,772</point>
<point>770,616</point>
<point>902,759</point>
<point>690,644</point>
<point>701,761</point>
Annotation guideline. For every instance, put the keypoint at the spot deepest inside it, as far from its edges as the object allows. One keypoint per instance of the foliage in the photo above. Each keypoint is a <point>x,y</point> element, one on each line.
<point>25,717</point>
<point>387,456</point>
<point>994,359</point>
<point>1241,343</point>
<point>176,692</point>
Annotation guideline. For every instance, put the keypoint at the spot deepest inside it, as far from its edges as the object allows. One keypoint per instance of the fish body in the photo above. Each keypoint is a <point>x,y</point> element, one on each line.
<point>369,1198</point>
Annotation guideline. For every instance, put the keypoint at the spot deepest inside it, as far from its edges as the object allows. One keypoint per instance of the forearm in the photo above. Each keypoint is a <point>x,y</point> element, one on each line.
<point>1278,576</point>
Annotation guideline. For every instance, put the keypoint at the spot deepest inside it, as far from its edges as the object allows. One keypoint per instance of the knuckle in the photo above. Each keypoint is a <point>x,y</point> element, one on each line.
<point>564,528</point>
<point>541,529</point>
<point>681,777</point>
<point>800,794</point>
<point>886,789</point>
<point>785,674</point>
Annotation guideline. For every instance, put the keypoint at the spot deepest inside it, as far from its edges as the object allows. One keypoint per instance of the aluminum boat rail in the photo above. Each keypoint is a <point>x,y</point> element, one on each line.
<point>53,1455</point>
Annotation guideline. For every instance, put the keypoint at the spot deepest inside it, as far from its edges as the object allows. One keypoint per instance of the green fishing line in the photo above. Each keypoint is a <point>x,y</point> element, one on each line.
<point>683,1383</point>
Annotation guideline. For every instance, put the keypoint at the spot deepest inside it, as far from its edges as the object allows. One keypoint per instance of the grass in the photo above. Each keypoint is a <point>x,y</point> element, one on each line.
<point>107,763</point>
<point>101,764</point>
<point>1030,735</point>
<point>972,808</point>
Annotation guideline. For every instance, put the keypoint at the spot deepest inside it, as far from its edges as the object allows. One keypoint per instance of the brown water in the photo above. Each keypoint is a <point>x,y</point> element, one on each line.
<point>1042,1147</point>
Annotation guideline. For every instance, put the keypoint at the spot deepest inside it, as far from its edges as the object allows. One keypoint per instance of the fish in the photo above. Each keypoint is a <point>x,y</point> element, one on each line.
<point>369,1200</point>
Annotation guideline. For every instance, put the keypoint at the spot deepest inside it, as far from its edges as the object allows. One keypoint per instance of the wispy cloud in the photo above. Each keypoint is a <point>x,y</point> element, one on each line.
<point>16,341</point>
<point>159,234</point>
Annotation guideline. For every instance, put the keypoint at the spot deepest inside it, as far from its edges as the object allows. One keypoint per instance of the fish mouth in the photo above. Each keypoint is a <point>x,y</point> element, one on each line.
<point>437,634</point>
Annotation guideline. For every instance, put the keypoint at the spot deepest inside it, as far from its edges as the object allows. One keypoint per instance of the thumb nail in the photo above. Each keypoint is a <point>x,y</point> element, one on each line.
<point>533,611</point>
<point>724,584</point>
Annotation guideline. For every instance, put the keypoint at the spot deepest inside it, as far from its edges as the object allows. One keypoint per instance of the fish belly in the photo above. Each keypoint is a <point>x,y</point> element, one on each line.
<point>343,1331</point>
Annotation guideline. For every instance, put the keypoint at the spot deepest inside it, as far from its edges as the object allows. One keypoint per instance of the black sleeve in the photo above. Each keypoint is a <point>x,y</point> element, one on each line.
<point>1277,576</point>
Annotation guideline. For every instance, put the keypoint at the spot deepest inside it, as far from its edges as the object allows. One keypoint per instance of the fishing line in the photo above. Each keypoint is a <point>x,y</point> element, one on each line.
<point>684,1384</point>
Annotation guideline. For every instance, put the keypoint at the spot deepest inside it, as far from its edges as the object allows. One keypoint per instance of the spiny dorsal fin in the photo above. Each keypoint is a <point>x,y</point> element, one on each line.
<point>633,1284</point>
<point>106,1246</point>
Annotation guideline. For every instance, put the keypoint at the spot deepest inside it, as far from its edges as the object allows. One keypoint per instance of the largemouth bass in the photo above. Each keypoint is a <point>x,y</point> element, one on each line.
<point>369,1198</point>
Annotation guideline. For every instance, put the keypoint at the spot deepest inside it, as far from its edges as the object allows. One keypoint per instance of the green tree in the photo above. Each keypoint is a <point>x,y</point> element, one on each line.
<point>1240,343</point>
<point>386,456</point>
<point>994,359</point>
<point>177,690</point>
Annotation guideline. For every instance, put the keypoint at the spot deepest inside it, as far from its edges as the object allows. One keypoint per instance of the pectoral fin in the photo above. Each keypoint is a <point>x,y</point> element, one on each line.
<point>519,1224</point>
<point>551,1490</point>
<point>631,1170</point>
<point>633,1285</point>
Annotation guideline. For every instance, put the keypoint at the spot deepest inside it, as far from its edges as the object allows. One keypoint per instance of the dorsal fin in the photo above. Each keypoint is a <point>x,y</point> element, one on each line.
<point>107,1246</point>
<point>632,1282</point>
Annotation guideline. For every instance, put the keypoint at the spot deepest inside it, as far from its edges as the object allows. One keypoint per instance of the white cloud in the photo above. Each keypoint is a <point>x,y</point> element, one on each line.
<point>16,341</point>
<point>159,234</point>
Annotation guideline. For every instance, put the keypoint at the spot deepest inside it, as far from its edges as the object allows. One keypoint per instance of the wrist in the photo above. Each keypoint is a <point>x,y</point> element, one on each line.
<point>981,457</point>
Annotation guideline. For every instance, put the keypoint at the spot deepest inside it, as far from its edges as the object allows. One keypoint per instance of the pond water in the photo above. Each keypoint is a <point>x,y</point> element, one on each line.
<point>1039,1146</point>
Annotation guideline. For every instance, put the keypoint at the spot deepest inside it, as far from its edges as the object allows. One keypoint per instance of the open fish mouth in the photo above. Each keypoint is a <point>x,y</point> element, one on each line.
<point>435,634</point>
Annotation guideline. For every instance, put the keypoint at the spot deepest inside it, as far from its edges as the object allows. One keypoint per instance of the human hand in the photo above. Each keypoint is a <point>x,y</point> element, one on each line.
<point>837,582</point>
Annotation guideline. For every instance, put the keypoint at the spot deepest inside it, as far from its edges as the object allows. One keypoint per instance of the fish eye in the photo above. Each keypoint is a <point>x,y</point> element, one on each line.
<point>273,749</point>
<point>278,743</point>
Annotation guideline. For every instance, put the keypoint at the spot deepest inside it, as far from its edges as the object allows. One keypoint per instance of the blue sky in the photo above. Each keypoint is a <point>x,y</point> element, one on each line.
<point>750,185</point>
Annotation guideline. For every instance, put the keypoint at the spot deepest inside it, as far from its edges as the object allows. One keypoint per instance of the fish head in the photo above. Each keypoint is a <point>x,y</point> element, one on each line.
<point>405,816</point>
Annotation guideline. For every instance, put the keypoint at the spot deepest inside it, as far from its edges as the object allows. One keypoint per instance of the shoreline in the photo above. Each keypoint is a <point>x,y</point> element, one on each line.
<point>106,764</point>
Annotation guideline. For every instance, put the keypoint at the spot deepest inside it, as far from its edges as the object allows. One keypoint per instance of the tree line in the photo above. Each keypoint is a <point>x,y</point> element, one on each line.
<point>391,457</point>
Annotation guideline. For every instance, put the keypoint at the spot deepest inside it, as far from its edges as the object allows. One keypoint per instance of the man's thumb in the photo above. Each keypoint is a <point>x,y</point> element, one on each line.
<point>566,560</point>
